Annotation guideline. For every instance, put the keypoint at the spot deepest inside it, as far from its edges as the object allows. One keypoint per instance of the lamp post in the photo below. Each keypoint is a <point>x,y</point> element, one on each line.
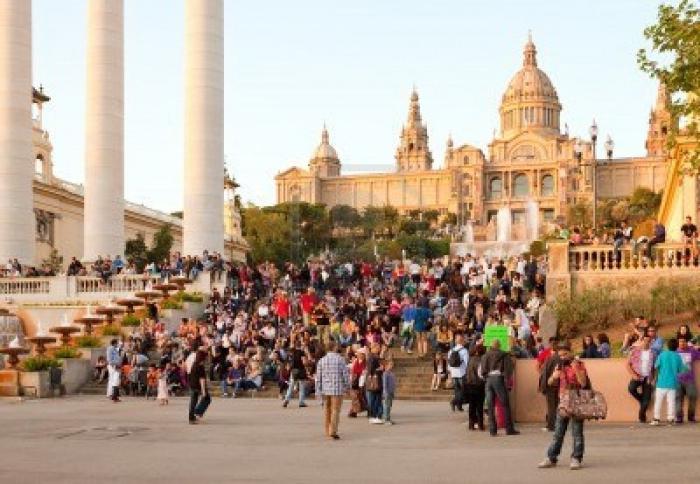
<point>609,146</point>
<point>593,131</point>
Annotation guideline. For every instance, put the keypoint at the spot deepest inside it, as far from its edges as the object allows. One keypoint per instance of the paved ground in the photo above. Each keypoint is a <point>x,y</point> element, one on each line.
<point>89,440</point>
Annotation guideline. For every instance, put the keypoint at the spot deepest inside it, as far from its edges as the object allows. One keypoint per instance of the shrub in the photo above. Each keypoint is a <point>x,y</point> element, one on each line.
<point>192,297</point>
<point>537,248</point>
<point>40,363</point>
<point>110,330</point>
<point>66,352</point>
<point>88,342</point>
<point>130,320</point>
<point>171,304</point>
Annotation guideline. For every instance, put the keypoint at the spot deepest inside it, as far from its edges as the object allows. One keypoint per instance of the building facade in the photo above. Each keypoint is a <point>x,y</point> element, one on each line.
<point>59,208</point>
<point>531,157</point>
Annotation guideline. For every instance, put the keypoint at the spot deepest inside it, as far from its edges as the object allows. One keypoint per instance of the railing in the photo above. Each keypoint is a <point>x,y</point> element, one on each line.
<point>121,283</point>
<point>631,257</point>
<point>25,286</point>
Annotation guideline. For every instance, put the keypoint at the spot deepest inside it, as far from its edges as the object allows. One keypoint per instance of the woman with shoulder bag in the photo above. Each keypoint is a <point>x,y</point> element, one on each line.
<point>357,379</point>
<point>373,385</point>
<point>571,375</point>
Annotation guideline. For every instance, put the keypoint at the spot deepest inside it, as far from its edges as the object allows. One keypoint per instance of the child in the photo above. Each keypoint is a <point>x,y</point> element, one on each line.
<point>152,378</point>
<point>388,389</point>
<point>163,384</point>
<point>439,371</point>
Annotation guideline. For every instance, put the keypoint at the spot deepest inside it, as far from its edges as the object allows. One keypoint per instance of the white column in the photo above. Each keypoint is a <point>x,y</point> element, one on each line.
<point>17,221</point>
<point>103,225</point>
<point>204,127</point>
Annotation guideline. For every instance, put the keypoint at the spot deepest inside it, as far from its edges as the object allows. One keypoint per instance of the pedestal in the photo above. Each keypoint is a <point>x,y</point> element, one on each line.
<point>9,383</point>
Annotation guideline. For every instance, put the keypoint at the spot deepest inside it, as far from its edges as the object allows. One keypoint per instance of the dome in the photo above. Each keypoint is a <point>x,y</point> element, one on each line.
<point>530,83</point>
<point>325,150</point>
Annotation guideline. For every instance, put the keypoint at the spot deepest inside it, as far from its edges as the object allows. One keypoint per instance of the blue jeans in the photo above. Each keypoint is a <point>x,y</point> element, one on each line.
<point>388,401</point>
<point>407,342</point>
<point>374,404</point>
<point>558,439</point>
<point>290,390</point>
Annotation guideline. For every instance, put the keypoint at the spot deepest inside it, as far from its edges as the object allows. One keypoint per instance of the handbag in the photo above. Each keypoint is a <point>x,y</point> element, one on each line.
<point>583,404</point>
<point>372,383</point>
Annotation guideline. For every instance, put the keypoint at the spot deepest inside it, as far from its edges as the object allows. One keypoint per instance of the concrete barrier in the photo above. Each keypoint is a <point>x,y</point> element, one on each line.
<point>608,376</point>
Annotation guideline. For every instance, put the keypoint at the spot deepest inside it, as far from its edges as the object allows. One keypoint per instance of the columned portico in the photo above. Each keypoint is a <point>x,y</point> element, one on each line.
<point>204,127</point>
<point>104,130</point>
<point>17,222</point>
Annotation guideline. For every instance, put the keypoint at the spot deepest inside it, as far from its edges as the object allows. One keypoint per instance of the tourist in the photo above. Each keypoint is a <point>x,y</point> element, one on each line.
<point>686,381</point>
<point>497,368</point>
<point>690,239</point>
<point>199,395</point>
<point>298,358</point>
<point>603,346</point>
<point>439,371</point>
<point>457,360</point>
<point>388,390</point>
<point>99,373</point>
<point>114,363</point>
<point>640,365</point>
<point>659,237</point>
<point>332,381</point>
<point>152,378</point>
<point>474,388</point>
<point>358,368</point>
<point>590,349</point>
<point>570,374</point>
<point>373,385</point>
<point>669,365</point>
<point>421,325</point>
<point>163,376</point>
<point>548,362</point>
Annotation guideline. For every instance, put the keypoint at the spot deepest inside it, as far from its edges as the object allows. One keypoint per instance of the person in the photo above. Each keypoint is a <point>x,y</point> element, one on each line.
<point>199,395</point>
<point>690,238</point>
<point>550,390</point>
<point>439,371</point>
<point>114,362</point>
<point>332,381</point>
<point>686,381</point>
<point>152,381</point>
<point>457,359</point>
<point>640,365</point>
<point>373,385</point>
<point>590,349</point>
<point>570,374</point>
<point>474,388</point>
<point>357,373</point>
<point>388,390</point>
<point>421,327</point>
<point>603,346</point>
<point>669,365</point>
<point>162,396</point>
<point>658,238</point>
<point>298,374</point>
<point>99,373</point>
<point>496,367</point>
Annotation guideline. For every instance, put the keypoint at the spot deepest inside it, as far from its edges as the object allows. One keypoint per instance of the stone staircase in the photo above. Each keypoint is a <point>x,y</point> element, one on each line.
<point>413,378</point>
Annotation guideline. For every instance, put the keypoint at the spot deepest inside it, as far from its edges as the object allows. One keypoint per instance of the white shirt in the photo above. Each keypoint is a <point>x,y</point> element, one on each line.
<point>645,363</point>
<point>459,372</point>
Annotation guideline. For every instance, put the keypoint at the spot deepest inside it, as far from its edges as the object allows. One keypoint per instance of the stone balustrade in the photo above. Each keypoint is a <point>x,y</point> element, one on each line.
<point>117,284</point>
<point>589,258</point>
<point>24,285</point>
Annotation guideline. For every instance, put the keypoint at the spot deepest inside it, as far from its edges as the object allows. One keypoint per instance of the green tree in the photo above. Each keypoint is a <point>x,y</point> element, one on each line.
<point>344,216</point>
<point>644,204</point>
<point>268,234</point>
<point>135,250</point>
<point>54,261</point>
<point>580,214</point>
<point>162,243</point>
<point>675,42</point>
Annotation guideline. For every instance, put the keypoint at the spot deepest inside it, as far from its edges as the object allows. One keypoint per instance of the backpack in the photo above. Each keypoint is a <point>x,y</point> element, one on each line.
<point>454,359</point>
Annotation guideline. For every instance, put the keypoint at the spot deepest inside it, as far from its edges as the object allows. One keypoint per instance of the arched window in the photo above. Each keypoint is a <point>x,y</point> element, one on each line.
<point>521,187</point>
<point>496,188</point>
<point>39,165</point>
<point>547,186</point>
<point>466,160</point>
<point>410,146</point>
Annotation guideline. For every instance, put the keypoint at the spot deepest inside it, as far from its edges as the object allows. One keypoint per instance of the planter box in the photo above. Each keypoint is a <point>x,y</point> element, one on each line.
<point>76,373</point>
<point>35,383</point>
<point>91,354</point>
<point>9,383</point>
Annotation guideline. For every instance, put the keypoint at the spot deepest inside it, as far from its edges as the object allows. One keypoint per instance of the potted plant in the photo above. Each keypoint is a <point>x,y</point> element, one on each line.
<point>130,323</point>
<point>35,379</point>
<point>110,332</point>
<point>91,348</point>
<point>76,370</point>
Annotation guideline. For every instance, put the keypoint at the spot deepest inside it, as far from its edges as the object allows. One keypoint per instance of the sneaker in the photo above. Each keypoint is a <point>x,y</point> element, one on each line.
<point>376,421</point>
<point>546,464</point>
<point>575,465</point>
<point>388,422</point>
<point>671,421</point>
<point>655,422</point>
<point>285,404</point>
<point>303,405</point>
<point>409,352</point>
<point>335,437</point>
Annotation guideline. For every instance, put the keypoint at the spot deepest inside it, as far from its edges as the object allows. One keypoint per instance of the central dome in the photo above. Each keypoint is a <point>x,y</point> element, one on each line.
<point>530,101</point>
<point>325,150</point>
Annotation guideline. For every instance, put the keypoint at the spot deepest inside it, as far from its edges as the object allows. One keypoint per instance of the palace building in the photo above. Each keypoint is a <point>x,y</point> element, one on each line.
<point>530,158</point>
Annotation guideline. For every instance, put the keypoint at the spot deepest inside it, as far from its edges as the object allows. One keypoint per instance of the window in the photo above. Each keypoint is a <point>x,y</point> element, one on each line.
<point>521,187</point>
<point>466,160</point>
<point>410,146</point>
<point>548,215</point>
<point>519,217</point>
<point>547,186</point>
<point>495,188</point>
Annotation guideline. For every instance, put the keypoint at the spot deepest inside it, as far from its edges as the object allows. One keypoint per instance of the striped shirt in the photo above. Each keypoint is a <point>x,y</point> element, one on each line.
<point>332,375</point>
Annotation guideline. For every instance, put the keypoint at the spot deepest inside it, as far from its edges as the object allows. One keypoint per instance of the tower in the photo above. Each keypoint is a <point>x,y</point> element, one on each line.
<point>413,153</point>
<point>660,123</point>
<point>325,162</point>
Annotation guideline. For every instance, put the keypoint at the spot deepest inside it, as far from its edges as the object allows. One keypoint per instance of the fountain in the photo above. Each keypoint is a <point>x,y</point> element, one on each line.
<point>469,232</point>
<point>65,330</point>
<point>503,224</point>
<point>40,340</point>
<point>533,220</point>
<point>13,350</point>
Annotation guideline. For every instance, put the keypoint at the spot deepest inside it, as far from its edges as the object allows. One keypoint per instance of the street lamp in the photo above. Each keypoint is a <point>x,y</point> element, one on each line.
<point>609,146</point>
<point>593,131</point>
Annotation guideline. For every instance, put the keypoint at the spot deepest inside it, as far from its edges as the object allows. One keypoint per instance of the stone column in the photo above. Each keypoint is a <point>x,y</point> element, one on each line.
<point>204,127</point>
<point>103,225</point>
<point>17,222</point>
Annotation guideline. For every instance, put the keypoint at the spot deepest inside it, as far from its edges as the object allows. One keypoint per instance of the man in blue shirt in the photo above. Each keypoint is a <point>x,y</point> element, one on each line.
<point>669,366</point>
<point>114,363</point>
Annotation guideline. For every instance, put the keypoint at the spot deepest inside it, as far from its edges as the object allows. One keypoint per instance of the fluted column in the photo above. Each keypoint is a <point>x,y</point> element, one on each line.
<point>17,221</point>
<point>104,130</point>
<point>204,127</point>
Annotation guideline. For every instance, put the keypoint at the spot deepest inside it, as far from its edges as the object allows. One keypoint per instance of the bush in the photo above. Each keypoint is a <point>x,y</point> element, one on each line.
<point>171,304</point>
<point>110,330</point>
<point>183,296</point>
<point>66,352</point>
<point>593,309</point>
<point>88,342</point>
<point>40,363</point>
<point>130,320</point>
<point>537,248</point>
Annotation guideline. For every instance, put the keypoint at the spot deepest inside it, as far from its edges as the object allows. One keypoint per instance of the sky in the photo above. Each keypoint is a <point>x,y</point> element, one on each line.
<point>293,65</point>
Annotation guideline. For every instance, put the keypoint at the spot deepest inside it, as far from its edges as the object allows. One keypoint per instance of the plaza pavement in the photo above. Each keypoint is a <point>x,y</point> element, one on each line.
<point>90,440</point>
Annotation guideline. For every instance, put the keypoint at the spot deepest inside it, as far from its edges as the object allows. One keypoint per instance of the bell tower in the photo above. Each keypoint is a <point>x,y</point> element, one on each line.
<point>660,124</point>
<point>413,153</point>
